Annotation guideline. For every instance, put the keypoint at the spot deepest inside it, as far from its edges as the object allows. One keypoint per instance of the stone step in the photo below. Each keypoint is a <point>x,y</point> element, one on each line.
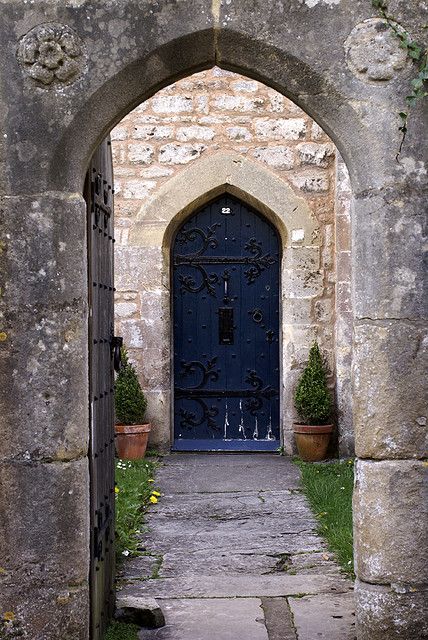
<point>239,586</point>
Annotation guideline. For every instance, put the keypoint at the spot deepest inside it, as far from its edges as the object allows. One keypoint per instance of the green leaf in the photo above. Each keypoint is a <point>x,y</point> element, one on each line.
<point>415,46</point>
<point>403,115</point>
<point>417,83</point>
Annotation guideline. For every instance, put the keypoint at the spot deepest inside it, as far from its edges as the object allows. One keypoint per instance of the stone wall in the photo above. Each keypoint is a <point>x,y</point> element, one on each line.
<point>214,110</point>
<point>207,114</point>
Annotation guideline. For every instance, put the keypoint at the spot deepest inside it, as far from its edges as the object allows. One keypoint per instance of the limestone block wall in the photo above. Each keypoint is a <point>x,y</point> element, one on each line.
<point>181,128</point>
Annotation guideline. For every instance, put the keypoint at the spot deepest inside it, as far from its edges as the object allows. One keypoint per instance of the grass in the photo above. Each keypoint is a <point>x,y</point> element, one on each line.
<point>154,453</point>
<point>134,493</point>
<point>135,490</point>
<point>328,488</point>
<point>121,631</point>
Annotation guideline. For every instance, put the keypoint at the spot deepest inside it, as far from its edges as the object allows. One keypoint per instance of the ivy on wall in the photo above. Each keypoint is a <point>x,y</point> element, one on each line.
<point>419,54</point>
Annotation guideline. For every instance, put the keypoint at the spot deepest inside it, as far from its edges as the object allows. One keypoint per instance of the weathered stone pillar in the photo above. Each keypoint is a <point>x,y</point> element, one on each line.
<point>390,395</point>
<point>59,64</point>
<point>44,506</point>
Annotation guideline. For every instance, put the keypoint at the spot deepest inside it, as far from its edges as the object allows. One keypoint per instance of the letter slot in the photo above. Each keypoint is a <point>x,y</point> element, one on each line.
<point>225,325</point>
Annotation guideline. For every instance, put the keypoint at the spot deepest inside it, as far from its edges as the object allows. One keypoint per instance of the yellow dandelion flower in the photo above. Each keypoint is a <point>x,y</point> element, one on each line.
<point>156,493</point>
<point>116,489</point>
<point>9,616</point>
<point>153,499</point>
<point>150,480</point>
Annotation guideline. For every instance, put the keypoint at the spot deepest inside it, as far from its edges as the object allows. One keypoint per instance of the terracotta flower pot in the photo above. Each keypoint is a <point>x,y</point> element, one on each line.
<point>312,441</point>
<point>131,440</point>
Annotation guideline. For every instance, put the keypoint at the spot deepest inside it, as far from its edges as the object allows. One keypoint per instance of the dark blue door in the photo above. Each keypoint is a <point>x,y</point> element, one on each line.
<point>226,260</point>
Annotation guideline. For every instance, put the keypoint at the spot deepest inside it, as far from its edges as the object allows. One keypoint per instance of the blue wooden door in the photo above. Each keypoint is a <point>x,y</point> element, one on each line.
<point>226,260</point>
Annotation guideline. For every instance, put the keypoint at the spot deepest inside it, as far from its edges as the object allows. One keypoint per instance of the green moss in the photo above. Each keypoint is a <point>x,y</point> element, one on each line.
<point>121,631</point>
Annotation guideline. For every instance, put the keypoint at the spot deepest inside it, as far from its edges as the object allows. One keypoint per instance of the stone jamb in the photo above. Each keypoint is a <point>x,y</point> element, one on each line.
<point>343,309</point>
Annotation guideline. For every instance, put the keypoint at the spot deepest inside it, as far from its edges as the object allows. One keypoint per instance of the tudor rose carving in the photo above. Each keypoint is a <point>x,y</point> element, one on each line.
<point>52,54</point>
<point>373,52</point>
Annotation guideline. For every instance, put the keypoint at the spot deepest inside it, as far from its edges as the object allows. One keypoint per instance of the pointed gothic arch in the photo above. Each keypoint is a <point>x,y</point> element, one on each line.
<point>156,225</point>
<point>50,133</point>
<point>138,77</point>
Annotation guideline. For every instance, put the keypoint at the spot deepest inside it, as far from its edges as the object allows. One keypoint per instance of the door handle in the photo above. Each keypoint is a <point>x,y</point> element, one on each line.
<point>225,325</point>
<point>116,346</point>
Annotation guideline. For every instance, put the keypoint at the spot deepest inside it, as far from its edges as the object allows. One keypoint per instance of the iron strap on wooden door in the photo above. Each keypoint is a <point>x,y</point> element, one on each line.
<point>226,330</point>
<point>99,197</point>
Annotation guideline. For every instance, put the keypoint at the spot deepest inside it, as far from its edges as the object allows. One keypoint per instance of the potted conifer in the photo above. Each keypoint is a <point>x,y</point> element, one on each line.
<point>132,433</point>
<point>313,403</point>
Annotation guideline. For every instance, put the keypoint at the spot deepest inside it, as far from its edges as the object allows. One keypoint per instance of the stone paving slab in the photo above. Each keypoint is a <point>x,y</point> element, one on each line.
<point>236,554</point>
<point>271,522</point>
<point>311,562</point>
<point>256,525</point>
<point>237,619</point>
<point>248,563</point>
<point>220,563</point>
<point>232,504</point>
<point>213,543</point>
<point>278,619</point>
<point>324,617</point>
<point>141,568</point>
<point>244,473</point>
<point>248,586</point>
<point>256,528</point>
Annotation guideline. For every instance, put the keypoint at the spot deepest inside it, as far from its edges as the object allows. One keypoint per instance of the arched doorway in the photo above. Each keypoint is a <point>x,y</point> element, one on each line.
<point>54,129</point>
<point>226,266</point>
<point>262,191</point>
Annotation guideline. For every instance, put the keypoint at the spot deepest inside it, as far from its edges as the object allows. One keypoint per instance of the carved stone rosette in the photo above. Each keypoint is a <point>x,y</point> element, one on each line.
<point>52,54</point>
<point>373,52</point>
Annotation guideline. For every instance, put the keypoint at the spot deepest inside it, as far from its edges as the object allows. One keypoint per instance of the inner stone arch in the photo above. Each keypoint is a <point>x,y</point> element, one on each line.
<point>218,132</point>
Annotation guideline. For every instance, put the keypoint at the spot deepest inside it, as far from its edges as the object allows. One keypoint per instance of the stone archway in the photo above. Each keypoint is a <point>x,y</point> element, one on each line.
<point>53,122</point>
<point>156,224</point>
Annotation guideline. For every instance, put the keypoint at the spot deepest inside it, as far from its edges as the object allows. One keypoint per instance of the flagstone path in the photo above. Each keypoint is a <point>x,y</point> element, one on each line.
<point>234,555</point>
